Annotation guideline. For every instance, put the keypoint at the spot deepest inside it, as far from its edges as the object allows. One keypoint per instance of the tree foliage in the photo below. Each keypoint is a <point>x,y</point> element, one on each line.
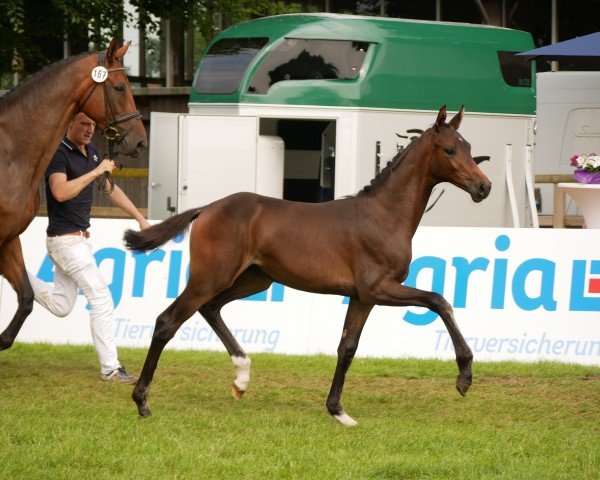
<point>209,16</point>
<point>32,32</point>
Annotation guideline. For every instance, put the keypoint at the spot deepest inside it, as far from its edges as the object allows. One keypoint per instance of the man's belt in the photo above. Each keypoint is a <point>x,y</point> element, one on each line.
<point>79,233</point>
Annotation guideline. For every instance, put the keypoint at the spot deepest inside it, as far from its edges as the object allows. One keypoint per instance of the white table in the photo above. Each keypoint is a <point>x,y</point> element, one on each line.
<point>587,197</point>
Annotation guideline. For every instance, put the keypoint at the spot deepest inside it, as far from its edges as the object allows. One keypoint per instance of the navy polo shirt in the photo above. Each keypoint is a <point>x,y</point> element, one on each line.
<point>74,214</point>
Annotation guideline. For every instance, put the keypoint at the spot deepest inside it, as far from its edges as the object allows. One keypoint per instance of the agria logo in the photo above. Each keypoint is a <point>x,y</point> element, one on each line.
<point>531,284</point>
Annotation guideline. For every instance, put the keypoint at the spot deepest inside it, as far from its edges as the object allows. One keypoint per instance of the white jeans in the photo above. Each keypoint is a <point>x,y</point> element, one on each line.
<point>75,268</point>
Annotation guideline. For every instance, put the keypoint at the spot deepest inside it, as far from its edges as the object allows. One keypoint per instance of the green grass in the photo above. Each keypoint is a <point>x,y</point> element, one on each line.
<point>518,421</point>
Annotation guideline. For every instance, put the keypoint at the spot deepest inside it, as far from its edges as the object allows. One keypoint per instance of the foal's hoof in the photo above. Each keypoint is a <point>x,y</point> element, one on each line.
<point>4,344</point>
<point>144,411</point>
<point>141,401</point>
<point>236,392</point>
<point>345,419</point>
<point>463,384</point>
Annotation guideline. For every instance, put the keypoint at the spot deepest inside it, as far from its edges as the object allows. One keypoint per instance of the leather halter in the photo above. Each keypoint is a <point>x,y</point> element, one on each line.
<point>111,133</point>
<point>110,130</point>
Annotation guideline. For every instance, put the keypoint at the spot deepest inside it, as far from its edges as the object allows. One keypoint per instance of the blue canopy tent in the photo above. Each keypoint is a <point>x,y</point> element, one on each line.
<point>584,49</point>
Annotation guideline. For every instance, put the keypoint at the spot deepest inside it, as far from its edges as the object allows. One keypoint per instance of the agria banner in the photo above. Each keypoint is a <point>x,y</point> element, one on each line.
<point>521,294</point>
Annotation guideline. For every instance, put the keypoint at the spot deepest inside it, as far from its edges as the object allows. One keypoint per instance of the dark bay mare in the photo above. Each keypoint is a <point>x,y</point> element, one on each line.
<point>358,246</point>
<point>33,120</point>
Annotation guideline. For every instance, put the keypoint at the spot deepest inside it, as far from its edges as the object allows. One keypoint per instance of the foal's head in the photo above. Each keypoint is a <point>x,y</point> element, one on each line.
<point>451,160</point>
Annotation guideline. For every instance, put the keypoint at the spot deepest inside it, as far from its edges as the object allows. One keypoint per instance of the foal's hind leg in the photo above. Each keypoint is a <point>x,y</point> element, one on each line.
<point>251,281</point>
<point>12,267</point>
<point>356,317</point>
<point>166,326</point>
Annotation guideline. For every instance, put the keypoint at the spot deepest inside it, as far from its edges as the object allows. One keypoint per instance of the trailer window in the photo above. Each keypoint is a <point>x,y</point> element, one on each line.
<point>296,59</point>
<point>516,71</point>
<point>224,65</point>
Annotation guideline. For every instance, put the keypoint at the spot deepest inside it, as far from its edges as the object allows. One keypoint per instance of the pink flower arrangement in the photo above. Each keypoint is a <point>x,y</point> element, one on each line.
<point>587,168</point>
<point>589,163</point>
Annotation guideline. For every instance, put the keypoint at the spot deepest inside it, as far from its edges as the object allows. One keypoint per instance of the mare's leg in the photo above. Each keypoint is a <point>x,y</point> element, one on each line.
<point>356,317</point>
<point>394,294</point>
<point>251,281</point>
<point>12,267</point>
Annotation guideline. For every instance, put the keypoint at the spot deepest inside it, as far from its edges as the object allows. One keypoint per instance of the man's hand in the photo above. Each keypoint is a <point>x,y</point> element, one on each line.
<point>63,189</point>
<point>107,165</point>
<point>144,224</point>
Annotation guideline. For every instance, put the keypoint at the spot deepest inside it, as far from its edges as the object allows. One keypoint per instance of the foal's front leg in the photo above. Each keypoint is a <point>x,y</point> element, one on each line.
<point>356,317</point>
<point>392,293</point>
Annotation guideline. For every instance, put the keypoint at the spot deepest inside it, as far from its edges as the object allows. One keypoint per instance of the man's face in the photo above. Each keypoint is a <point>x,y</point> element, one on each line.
<point>81,129</point>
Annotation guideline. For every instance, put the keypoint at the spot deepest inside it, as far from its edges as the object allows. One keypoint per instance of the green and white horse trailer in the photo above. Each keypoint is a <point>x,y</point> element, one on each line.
<point>310,107</point>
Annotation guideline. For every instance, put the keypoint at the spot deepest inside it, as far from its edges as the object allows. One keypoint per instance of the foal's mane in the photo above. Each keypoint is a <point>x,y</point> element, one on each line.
<point>42,80</point>
<point>382,176</point>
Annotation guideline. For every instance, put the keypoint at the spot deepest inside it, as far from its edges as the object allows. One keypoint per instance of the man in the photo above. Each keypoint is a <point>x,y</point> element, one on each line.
<point>69,184</point>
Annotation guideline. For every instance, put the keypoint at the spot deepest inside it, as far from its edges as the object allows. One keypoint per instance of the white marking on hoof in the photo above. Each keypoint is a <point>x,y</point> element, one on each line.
<point>345,419</point>
<point>236,392</point>
<point>242,370</point>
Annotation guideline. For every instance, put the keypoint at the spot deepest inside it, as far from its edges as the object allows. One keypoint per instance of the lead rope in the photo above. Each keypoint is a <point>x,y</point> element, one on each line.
<point>107,184</point>
<point>435,201</point>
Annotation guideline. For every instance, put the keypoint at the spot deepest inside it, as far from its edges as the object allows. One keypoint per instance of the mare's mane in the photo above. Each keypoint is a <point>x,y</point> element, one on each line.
<point>41,80</point>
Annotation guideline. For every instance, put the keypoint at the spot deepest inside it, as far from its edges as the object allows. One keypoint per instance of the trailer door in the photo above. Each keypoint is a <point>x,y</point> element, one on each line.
<point>327,167</point>
<point>163,164</point>
<point>217,158</point>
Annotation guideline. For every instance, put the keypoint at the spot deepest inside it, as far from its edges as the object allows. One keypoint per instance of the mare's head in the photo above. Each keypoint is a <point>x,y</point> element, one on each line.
<point>109,102</point>
<point>451,160</point>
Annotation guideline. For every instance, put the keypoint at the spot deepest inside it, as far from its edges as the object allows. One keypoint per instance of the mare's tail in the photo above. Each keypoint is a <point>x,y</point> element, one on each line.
<point>159,234</point>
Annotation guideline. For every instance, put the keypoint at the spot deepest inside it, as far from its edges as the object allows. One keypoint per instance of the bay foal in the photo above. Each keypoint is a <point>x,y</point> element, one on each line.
<point>359,247</point>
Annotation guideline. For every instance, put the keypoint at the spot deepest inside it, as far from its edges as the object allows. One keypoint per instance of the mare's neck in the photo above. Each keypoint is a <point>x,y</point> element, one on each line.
<point>38,119</point>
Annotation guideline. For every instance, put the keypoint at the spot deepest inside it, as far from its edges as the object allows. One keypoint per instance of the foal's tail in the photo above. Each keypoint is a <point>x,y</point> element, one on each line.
<point>159,234</point>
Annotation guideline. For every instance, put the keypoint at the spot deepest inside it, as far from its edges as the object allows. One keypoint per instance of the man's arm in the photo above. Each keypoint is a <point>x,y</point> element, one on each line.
<point>63,189</point>
<point>119,199</point>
